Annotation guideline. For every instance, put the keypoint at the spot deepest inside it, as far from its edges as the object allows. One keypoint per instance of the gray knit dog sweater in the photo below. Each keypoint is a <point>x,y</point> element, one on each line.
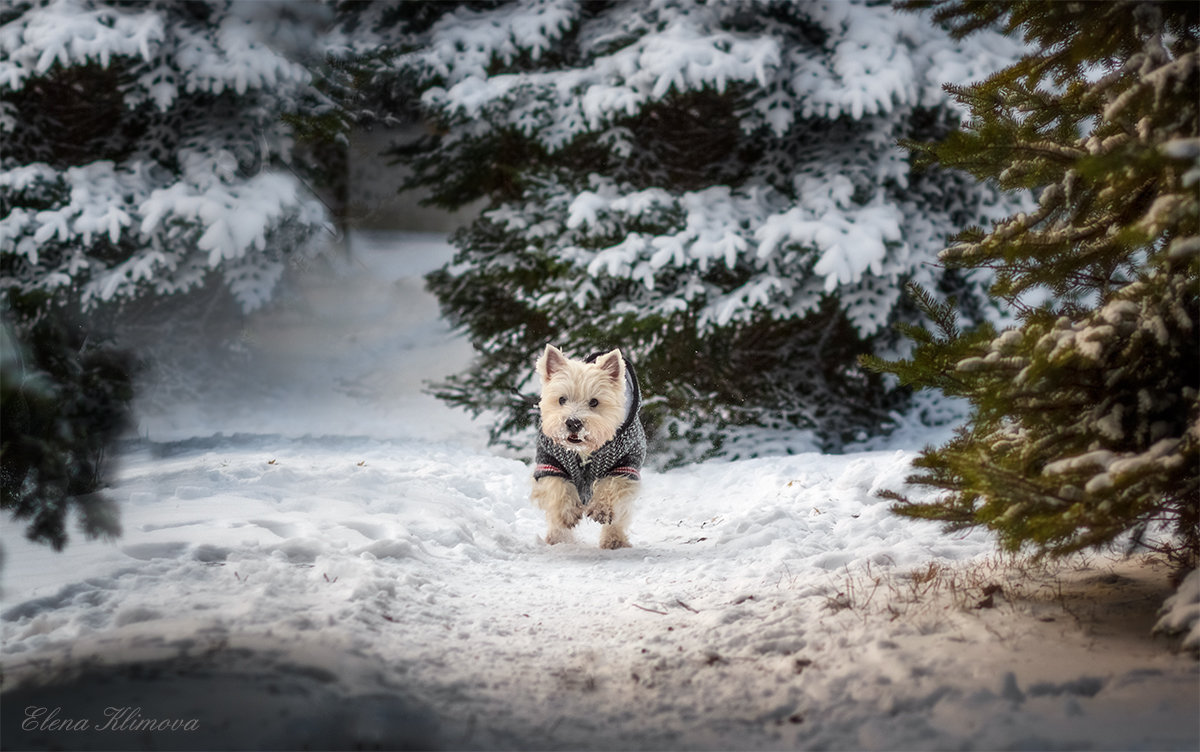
<point>620,456</point>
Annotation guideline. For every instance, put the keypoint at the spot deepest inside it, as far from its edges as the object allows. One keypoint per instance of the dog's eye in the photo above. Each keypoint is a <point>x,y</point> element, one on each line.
<point>562,400</point>
<point>594,402</point>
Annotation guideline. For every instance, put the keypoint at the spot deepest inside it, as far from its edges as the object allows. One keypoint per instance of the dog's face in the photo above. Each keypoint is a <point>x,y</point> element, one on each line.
<point>582,404</point>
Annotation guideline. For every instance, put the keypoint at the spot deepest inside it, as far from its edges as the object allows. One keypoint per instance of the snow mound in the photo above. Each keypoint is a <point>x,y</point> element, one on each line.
<point>1180,613</point>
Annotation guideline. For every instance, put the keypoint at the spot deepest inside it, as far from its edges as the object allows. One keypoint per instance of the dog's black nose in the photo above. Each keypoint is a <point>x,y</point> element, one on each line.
<point>574,424</point>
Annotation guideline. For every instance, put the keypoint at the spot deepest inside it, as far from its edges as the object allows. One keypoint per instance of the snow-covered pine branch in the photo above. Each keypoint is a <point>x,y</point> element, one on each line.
<point>145,150</point>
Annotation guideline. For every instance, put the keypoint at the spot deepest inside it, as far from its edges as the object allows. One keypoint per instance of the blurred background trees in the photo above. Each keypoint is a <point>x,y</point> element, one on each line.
<point>150,172</point>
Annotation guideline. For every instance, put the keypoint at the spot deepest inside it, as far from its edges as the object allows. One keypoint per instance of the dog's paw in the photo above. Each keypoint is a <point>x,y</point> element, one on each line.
<point>612,540</point>
<point>601,513</point>
<point>603,516</point>
<point>558,535</point>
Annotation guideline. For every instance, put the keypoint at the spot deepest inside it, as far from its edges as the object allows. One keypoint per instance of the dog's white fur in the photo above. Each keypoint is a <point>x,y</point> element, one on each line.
<point>583,405</point>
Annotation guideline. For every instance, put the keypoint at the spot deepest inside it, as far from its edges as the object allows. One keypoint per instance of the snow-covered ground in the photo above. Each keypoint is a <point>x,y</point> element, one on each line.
<point>335,560</point>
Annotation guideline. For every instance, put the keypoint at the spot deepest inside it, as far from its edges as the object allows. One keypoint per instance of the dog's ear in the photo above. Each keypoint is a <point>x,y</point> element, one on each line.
<point>551,362</point>
<point>613,364</point>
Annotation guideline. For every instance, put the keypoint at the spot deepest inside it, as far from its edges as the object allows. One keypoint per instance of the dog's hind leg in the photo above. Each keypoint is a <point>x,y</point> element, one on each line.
<point>558,498</point>
<point>612,507</point>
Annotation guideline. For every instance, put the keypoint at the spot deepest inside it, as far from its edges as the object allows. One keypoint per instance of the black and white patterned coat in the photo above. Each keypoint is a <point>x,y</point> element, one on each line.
<point>622,456</point>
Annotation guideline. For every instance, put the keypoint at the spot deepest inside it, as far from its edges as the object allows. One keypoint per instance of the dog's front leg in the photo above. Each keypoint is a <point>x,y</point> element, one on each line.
<point>558,498</point>
<point>612,507</point>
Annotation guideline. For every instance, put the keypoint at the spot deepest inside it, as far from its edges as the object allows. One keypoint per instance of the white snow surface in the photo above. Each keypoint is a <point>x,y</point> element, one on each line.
<point>337,560</point>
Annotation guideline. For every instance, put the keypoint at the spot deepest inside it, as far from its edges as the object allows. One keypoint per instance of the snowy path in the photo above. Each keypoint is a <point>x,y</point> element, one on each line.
<point>287,591</point>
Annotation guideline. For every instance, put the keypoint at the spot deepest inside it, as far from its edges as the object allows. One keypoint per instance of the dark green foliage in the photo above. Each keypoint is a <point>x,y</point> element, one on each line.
<point>1085,422</point>
<point>64,401</point>
<point>64,395</point>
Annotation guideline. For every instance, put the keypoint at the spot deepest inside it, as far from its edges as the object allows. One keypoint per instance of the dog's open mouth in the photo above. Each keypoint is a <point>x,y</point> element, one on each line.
<point>574,438</point>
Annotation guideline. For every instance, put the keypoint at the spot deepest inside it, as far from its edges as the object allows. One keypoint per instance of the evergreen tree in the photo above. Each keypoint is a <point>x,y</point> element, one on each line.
<point>1085,417</point>
<point>712,186</point>
<point>150,151</point>
<point>64,404</point>
<point>146,148</point>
